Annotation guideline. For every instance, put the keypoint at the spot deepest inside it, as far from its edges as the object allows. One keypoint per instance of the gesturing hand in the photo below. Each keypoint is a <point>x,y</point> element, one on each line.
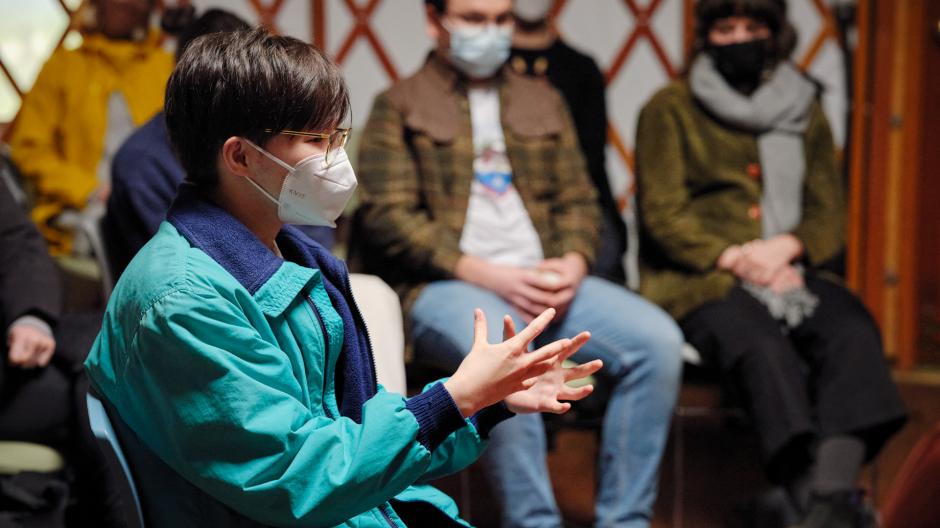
<point>549,389</point>
<point>489,373</point>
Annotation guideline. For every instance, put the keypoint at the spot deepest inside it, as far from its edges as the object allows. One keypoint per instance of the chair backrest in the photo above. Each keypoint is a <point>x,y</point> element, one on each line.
<point>111,448</point>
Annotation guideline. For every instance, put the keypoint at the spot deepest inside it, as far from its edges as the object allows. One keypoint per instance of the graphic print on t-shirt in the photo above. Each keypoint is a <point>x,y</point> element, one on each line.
<point>498,228</point>
<point>491,168</point>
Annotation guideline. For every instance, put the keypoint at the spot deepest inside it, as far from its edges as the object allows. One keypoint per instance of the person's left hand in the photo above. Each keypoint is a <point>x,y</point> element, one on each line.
<point>28,346</point>
<point>562,277</point>
<point>550,389</point>
<point>761,260</point>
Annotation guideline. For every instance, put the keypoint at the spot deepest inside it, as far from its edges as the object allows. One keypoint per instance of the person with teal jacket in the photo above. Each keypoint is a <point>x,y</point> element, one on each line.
<point>233,357</point>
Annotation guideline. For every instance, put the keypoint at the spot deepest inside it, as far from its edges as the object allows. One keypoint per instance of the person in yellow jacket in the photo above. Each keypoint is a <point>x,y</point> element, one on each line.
<point>81,107</point>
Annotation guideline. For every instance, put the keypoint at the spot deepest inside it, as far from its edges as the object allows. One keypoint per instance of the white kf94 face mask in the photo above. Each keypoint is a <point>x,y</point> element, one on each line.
<point>314,193</point>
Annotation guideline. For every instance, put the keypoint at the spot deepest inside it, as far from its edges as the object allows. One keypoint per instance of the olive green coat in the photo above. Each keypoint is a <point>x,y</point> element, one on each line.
<point>699,191</point>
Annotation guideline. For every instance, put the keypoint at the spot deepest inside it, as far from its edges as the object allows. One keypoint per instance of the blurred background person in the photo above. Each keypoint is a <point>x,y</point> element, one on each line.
<point>538,51</point>
<point>42,385</point>
<point>83,105</point>
<point>475,194</point>
<point>146,172</point>
<point>741,205</point>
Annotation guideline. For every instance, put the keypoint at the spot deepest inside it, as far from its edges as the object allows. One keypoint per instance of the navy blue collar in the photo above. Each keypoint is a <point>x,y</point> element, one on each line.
<point>233,246</point>
<point>221,236</point>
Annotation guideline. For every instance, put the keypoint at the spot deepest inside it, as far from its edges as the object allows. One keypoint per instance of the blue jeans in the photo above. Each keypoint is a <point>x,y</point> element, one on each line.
<point>640,345</point>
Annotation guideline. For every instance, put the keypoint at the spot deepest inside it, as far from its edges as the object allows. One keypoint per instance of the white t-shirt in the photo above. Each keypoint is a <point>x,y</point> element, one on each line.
<point>498,228</point>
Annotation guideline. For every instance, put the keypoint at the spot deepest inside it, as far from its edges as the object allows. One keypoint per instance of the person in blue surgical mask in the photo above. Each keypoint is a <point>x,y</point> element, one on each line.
<point>475,193</point>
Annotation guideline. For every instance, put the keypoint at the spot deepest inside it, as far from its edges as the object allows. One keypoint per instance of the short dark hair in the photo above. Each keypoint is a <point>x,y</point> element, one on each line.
<point>242,83</point>
<point>770,12</point>
<point>439,5</point>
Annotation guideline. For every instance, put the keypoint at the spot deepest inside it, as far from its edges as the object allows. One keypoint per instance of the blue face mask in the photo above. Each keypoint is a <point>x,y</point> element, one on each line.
<point>479,52</point>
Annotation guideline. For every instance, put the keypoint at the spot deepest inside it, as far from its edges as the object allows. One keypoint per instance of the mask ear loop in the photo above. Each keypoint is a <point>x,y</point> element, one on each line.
<point>273,158</point>
<point>270,156</point>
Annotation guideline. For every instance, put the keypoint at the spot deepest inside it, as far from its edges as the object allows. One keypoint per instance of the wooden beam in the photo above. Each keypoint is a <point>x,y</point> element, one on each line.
<point>858,150</point>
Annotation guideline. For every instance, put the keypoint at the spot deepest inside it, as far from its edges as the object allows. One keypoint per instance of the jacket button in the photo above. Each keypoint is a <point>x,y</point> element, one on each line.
<point>754,212</point>
<point>753,170</point>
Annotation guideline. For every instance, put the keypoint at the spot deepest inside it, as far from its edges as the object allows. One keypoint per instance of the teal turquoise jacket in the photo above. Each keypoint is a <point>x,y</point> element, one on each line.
<point>244,390</point>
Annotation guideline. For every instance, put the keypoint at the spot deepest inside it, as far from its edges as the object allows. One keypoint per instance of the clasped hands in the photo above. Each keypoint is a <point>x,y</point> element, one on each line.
<point>765,262</point>
<point>531,291</point>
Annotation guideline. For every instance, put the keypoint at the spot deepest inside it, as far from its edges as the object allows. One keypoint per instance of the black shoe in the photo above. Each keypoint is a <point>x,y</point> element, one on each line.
<point>843,509</point>
<point>771,508</point>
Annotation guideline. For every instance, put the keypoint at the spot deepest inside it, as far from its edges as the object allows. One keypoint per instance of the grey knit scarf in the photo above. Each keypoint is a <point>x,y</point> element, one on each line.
<point>778,113</point>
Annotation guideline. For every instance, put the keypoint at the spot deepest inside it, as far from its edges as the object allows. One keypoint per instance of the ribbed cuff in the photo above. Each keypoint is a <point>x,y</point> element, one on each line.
<point>484,421</point>
<point>437,415</point>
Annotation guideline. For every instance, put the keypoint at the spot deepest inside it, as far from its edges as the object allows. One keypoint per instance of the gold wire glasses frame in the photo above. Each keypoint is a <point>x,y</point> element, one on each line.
<point>336,139</point>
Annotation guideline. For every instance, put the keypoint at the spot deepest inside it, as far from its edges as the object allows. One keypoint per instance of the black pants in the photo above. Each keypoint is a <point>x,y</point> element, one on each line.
<point>827,376</point>
<point>47,406</point>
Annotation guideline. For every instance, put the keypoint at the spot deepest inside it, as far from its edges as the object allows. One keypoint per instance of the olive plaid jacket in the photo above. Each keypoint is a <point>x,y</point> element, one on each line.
<point>415,169</point>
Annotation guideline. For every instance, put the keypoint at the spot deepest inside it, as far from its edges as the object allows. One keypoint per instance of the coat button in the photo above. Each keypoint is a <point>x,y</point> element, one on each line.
<point>753,170</point>
<point>754,212</point>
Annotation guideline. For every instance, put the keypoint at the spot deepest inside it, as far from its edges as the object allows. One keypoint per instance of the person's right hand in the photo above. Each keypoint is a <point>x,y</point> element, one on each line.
<point>490,372</point>
<point>522,288</point>
<point>29,347</point>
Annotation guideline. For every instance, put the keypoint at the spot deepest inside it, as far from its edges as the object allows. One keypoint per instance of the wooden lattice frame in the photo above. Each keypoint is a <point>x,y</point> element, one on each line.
<point>642,29</point>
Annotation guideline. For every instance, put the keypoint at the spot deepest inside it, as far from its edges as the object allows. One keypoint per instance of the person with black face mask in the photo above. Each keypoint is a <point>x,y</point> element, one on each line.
<point>741,207</point>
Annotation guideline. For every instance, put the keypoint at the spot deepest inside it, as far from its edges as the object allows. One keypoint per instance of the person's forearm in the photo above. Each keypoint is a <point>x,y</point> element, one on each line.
<point>579,262</point>
<point>473,270</point>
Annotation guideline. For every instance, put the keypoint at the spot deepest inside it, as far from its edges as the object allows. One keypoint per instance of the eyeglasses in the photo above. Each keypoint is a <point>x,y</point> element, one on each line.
<point>336,139</point>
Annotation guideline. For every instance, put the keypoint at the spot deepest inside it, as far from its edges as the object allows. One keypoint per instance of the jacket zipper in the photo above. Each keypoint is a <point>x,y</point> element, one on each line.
<point>375,384</point>
<point>362,323</point>
<point>326,343</point>
<point>388,517</point>
<point>326,409</point>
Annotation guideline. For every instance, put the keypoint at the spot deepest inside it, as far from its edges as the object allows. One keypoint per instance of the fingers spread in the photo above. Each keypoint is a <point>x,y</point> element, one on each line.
<point>536,327</point>
<point>575,345</point>
<point>557,407</point>
<point>548,353</point>
<point>572,394</point>
<point>479,327</point>
<point>509,328</point>
<point>583,370</point>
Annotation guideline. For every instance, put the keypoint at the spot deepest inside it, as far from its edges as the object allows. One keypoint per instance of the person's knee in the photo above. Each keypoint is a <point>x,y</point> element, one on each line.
<point>666,358</point>
<point>663,339</point>
<point>441,320</point>
<point>766,351</point>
